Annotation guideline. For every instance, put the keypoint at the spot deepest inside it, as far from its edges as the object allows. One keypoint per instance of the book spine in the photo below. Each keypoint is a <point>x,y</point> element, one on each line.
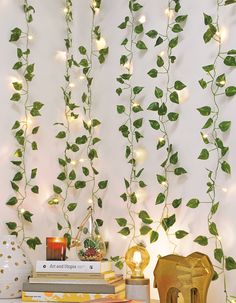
<point>66,297</point>
<point>72,267</point>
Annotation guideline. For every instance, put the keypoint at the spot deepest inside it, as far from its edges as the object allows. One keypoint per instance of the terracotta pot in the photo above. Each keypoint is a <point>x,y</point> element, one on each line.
<point>15,267</point>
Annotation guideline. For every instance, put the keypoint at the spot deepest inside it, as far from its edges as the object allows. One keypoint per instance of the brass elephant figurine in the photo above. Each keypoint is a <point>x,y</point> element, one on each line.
<point>189,275</point>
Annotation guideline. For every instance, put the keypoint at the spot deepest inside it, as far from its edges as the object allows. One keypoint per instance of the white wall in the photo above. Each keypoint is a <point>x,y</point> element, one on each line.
<point>48,29</point>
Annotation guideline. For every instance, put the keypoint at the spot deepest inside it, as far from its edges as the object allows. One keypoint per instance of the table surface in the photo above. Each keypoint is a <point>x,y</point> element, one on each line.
<point>19,301</point>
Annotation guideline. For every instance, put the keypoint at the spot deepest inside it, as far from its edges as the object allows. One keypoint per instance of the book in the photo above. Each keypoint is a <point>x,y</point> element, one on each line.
<point>70,280</point>
<point>74,266</point>
<point>62,275</point>
<point>82,288</point>
<point>31,296</point>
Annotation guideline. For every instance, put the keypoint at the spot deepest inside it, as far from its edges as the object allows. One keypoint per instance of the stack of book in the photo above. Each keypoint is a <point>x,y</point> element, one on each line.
<point>73,281</point>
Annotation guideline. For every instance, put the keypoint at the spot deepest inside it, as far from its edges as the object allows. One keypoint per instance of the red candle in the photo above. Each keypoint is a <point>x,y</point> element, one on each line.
<point>56,248</point>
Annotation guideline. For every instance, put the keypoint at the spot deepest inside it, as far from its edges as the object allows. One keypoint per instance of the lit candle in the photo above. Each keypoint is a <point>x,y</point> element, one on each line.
<point>56,248</point>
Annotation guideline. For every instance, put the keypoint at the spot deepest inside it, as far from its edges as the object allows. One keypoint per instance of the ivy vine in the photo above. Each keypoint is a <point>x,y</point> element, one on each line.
<point>67,175</point>
<point>167,100</point>
<point>133,121</point>
<point>215,83</point>
<point>23,180</point>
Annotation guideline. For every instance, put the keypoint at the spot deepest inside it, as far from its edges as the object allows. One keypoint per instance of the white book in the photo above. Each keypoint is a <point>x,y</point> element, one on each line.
<point>73,266</point>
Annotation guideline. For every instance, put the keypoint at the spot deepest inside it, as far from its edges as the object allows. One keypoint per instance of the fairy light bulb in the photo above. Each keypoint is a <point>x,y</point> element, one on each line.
<point>101,43</point>
<point>71,84</point>
<point>162,53</point>
<point>161,139</point>
<point>164,183</point>
<point>65,10</point>
<point>222,82</point>
<point>60,56</point>
<point>219,238</point>
<point>129,66</point>
<point>137,258</point>
<point>135,104</point>
<point>183,95</point>
<point>81,77</point>
<point>22,211</point>
<point>90,201</point>
<point>224,189</point>
<point>71,118</point>
<point>73,162</point>
<point>30,37</point>
<point>81,160</point>
<point>205,136</point>
<point>89,123</point>
<point>142,19</point>
<point>169,13</point>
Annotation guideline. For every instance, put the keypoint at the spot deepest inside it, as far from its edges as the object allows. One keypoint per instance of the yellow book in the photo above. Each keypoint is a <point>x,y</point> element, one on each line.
<point>31,296</point>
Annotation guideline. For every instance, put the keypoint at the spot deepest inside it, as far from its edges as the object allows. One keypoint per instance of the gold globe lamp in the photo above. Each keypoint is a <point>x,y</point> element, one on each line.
<point>137,287</point>
<point>137,259</point>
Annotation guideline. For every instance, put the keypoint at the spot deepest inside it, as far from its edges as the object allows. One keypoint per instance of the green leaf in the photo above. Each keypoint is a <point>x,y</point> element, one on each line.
<point>207,19</point>
<point>72,175</point>
<point>204,155</point>
<point>80,184</point>
<point>59,226</point>
<point>214,208</point>
<point>230,61</point>
<point>173,42</point>
<point>125,41</point>
<point>179,85</point>
<point>161,179</point>
<point>71,206</point>
<point>230,91</point>
<point>203,83</point>
<point>15,97</point>
<point>136,7</point>
<point>177,28</point>
<point>33,242</point>
<point>209,34</point>
<point>61,176</point>
<point>121,221</point>
<point>85,171</point>
<point>160,198</point>
<point>173,116</point>
<point>230,263</point>
<point>61,135</point>
<point>154,236</point>
<point>180,234</point>
<point>158,92</point>
<point>152,33</point>
<point>205,110</point>
<point>168,222</point>
<point>34,145</point>
<point>81,140</point>
<point>154,106</point>
<point>137,89</point>
<point>138,29</point>
<point>17,85</point>
<point>35,189</point>
<point>176,203</point>
<point>17,65</point>
<point>226,167</point>
<point>213,229</point>
<point>27,216</point>
<point>227,2</point>
<point>221,80</point>
<point>161,143</point>
<point>154,124</point>
<point>208,68</point>
<point>103,184</point>
<point>16,125</point>
<point>99,222</point>
<point>144,230</point>
<point>153,73</point>
<point>159,41</point>
<point>138,123</point>
<point>144,216</point>
<point>162,110</point>
<point>123,59</point>
<point>11,225</point>
<point>193,203</point>
<point>224,126</point>
<point>18,176</point>
<point>124,231</point>
<point>35,130</point>
<point>160,61</point>
<point>82,50</point>
<point>208,123</point>
<point>179,171</point>
<point>57,189</point>
<point>142,184</point>
<point>141,45</point>
<point>181,18</point>
<point>174,97</point>
<point>15,34</point>
<point>12,201</point>
<point>174,158</point>
<point>218,254</point>
<point>201,240</point>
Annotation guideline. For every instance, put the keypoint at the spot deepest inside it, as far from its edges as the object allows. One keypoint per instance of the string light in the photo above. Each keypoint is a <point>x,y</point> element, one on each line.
<point>81,77</point>
<point>162,54</point>
<point>27,121</point>
<point>30,37</point>
<point>129,66</point>
<point>73,162</point>
<point>22,211</point>
<point>65,10</point>
<point>81,160</point>
<point>222,34</point>
<point>54,200</point>
<point>142,19</point>
<point>71,84</point>
<point>225,189</point>
<point>71,118</point>
<point>183,95</point>
<point>161,139</point>
<point>101,43</point>
<point>222,82</point>
<point>61,56</point>
<point>89,123</point>
<point>135,104</point>
<point>205,136</point>
<point>169,13</point>
<point>90,201</point>
<point>164,183</point>
<point>140,153</point>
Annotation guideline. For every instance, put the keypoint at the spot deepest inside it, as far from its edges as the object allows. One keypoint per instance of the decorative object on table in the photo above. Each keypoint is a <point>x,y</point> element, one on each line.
<point>88,241</point>
<point>56,248</point>
<point>73,281</point>
<point>15,267</point>
<point>137,287</point>
<point>191,276</point>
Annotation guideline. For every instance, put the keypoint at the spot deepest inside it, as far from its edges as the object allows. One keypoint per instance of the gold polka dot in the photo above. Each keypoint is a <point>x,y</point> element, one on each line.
<point>24,255</point>
<point>12,295</point>
<point>13,248</point>
<point>16,279</point>
<point>2,271</point>
<point>4,242</point>
<point>7,286</point>
<point>16,263</point>
<point>12,243</point>
<point>25,262</point>
<point>9,257</point>
<point>1,255</point>
<point>18,246</point>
